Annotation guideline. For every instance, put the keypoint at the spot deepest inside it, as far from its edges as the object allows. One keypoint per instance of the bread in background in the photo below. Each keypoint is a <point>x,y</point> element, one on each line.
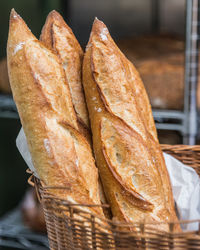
<point>4,80</point>
<point>160,62</point>
<point>169,137</point>
<point>32,212</point>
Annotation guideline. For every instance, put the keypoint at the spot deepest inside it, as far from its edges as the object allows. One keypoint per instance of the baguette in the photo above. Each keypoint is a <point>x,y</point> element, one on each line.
<point>60,153</point>
<point>127,152</point>
<point>58,36</point>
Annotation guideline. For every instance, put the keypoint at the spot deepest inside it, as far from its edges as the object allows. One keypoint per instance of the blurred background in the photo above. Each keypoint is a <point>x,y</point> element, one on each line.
<point>161,38</point>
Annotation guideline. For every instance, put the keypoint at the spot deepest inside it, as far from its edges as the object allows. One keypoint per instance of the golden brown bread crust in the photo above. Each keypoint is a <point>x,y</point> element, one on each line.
<point>61,154</point>
<point>58,36</point>
<point>127,151</point>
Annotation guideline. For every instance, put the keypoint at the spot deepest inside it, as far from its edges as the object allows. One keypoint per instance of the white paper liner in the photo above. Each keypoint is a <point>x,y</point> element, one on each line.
<point>24,151</point>
<point>186,190</point>
<point>185,184</point>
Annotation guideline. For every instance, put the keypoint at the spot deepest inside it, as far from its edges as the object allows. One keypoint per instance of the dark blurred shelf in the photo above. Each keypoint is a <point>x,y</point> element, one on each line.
<point>7,107</point>
<point>14,234</point>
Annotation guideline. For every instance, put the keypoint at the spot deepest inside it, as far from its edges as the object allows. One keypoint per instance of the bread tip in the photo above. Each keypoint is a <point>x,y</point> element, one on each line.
<point>13,14</point>
<point>97,21</point>
<point>52,17</point>
<point>53,13</point>
<point>100,29</point>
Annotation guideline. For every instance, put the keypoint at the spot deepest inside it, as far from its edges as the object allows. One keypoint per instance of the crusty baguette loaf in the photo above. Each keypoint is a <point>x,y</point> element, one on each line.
<point>128,155</point>
<point>61,154</point>
<point>58,36</point>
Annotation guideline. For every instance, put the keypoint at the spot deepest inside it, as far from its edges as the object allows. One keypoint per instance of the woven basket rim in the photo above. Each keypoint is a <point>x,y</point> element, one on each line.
<point>42,190</point>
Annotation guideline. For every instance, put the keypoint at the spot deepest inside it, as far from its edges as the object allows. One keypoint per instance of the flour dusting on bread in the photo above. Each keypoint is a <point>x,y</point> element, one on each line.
<point>18,47</point>
<point>103,34</point>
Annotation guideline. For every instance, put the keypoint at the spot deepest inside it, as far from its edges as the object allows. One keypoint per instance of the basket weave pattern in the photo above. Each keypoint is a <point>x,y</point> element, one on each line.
<point>69,226</point>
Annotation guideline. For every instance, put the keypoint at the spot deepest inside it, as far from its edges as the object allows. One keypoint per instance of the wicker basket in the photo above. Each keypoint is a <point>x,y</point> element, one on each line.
<point>69,226</point>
